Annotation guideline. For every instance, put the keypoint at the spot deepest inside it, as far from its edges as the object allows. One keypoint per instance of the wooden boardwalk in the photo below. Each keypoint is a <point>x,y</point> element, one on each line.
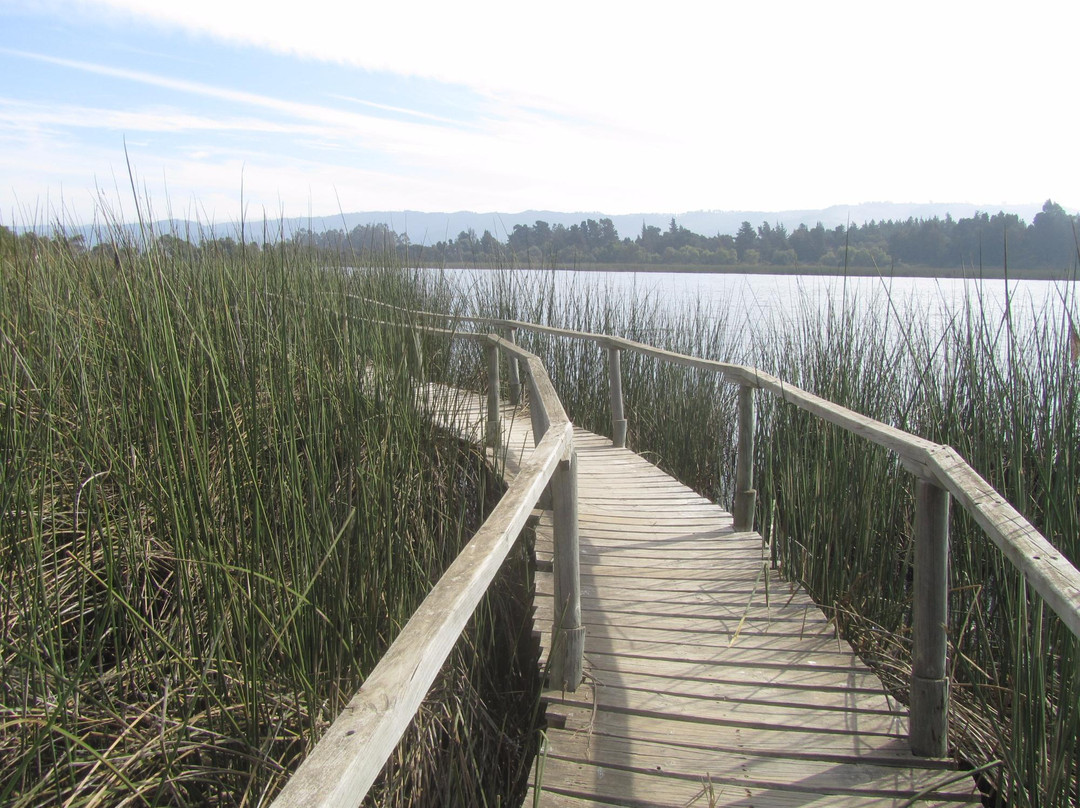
<point>709,681</point>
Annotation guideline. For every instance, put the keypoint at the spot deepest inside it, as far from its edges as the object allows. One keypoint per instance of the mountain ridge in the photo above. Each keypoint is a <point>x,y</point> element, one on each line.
<point>429,227</point>
<point>423,227</point>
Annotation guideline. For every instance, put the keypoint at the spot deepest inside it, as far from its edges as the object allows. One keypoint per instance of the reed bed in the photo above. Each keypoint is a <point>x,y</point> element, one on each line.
<point>221,497</point>
<point>839,514</point>
<point>836,512</point>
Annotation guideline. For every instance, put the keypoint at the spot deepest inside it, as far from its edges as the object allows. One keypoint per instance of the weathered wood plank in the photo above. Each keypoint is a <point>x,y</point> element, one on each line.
<point>695,677</point>
<point>766,741</point>
<point>801,620</point>
<point>749,712</point>
<point>824,776</point>
<point>643,787</point>
<point>703,630</point>
<point>705,591</point>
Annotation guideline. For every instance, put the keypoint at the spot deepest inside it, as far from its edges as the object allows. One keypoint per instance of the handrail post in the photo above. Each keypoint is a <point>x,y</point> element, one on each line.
<point>929,703</point>
<point>513,372</point>
<point>566,656</point>
<point>618,417</point>
<point>494,428</point>
<point>745,494</point>
<point>537,415</point>
<point>540,423</point>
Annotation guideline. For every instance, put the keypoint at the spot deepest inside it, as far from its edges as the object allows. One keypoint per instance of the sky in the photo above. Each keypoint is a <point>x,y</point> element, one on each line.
<point>214,110</point>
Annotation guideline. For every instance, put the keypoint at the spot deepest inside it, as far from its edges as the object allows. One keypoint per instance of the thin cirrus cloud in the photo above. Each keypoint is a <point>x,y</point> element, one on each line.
<point>357,123</point>
<point>457,156</point>
<point>17,114</point>
<point>425,133</point>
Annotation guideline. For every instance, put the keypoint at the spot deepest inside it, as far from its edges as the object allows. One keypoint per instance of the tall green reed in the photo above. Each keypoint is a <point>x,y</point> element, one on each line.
<point>221,498</point>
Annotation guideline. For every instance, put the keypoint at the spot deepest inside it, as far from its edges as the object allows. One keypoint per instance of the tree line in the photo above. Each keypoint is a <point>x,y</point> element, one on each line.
<point>988,241</point>
<point>983,240</point>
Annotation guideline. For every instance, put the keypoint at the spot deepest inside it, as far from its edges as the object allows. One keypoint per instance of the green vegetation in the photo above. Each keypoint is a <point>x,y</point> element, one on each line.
<point>982,245</point>
<point>840,515</point>
<point>838,512</point>
<point>220,500</point>
<point>1046,247</point>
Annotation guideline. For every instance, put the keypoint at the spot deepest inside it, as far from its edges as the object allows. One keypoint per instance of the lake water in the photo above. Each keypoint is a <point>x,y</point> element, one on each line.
<point>756,302</point>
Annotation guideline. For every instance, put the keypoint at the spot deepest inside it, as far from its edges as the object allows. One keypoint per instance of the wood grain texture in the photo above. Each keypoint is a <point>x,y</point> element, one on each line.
<point>702,663</point>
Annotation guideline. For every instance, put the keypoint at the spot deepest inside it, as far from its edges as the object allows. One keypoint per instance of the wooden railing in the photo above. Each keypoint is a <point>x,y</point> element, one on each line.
<point>940,473</point>
<point>347,759</point>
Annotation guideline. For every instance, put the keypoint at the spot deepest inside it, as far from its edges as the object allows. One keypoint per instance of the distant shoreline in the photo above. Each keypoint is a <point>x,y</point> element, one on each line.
<point>985,273</point>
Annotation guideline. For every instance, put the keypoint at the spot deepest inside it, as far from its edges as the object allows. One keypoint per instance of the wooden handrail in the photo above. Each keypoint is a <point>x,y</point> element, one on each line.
<point>939,469</point>
<point>345,762</point>
<point>1044,567</point>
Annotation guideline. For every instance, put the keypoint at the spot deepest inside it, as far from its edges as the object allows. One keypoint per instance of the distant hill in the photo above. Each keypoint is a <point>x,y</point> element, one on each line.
<point>429,228</point>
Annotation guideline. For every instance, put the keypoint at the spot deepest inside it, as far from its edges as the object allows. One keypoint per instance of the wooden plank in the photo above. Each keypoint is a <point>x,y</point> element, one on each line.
<point>679,791</point>
<point>729,546</point>
<point>591,491</point>
<point>553,800</point>
<point>736,654</point>
<point>672,590</point>
<point>616,685</point>
<point>704,701</point>
<point>822,650</point>
<point>626,566</point>
<point>534,799</point>
<point>791,620</point>
<point>672,504</point>
<point>767,741</point>
<point>809,774</point>
<point>715,537</point>
<point>606,545</point>
<point>726,630</point>
<point>680,674</point>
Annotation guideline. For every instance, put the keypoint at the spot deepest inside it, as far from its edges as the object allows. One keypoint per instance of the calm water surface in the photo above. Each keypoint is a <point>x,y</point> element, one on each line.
<point>757,302</point>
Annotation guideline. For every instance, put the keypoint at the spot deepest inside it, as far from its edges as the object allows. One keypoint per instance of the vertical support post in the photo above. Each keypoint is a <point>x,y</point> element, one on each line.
<point>513,372</point>
<point>537,413</point>
<point>929,703</point>
<point>618,417</point>
<point>566,656</point>
<point>745,494</point>
<point>493,434</point>
<point>540,423</point>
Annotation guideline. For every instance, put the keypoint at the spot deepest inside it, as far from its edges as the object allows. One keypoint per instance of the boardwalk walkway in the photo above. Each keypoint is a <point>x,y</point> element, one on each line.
<point>709,681</point>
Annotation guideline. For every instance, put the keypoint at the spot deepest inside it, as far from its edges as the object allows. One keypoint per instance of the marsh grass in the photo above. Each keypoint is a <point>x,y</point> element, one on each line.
<point>221,498</point>
<point>838,512</point>
<point>840,515</point>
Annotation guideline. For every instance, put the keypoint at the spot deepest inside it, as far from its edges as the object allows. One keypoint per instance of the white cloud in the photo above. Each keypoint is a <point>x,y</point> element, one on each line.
<point>625,107</point>
<point>20,114</point>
